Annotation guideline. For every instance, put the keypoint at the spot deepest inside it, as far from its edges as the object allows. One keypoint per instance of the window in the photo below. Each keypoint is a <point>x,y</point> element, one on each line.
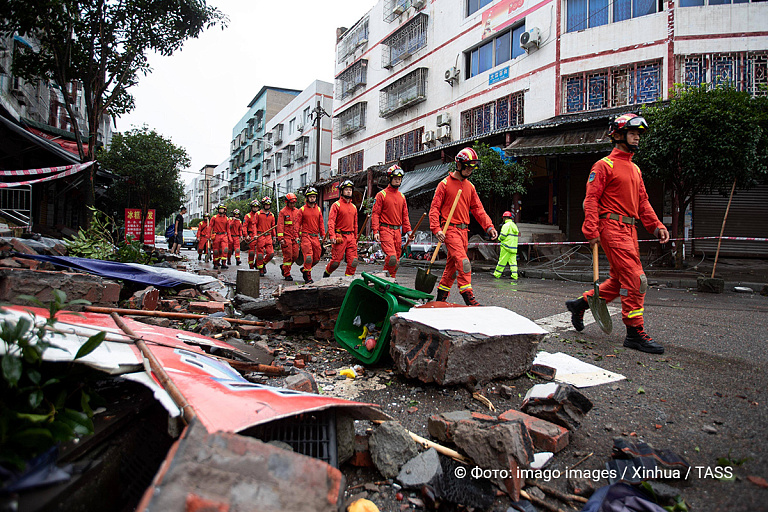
<point>292,125</point>
<point>278,160</point>
<point>475,5</point>
<point>306,116</point>
<point>350,121</point>
<point>303,180</point>
<point>355,37</point>
<point>504,112</point>
<point>403,93</point>
<point>410,38</point>
<point>351,163</point>
<point>582,14</point>
<point>693,3</point>
<point>626,85</point>
<point>289,185</point>
<point>403,145</point>
<point>351,78</point>
<point>500,49</point>
<point>745,71</point>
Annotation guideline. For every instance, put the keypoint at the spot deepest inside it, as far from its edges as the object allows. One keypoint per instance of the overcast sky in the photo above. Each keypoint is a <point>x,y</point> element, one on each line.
<point>196,96</point>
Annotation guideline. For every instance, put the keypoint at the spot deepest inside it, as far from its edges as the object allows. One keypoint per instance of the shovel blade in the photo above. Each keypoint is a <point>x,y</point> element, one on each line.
<point>425,282</point>
<point>599,310</point>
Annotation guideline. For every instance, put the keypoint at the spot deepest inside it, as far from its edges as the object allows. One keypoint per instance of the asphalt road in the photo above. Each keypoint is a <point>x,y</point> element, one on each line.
<point>705,398</point>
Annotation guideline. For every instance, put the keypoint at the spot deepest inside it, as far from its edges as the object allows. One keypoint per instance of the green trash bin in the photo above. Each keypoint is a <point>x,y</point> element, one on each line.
<point>374,300</point>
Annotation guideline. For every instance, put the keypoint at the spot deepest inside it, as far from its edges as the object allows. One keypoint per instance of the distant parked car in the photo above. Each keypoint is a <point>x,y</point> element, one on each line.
<point>190,241</point>
<point>160,240</point>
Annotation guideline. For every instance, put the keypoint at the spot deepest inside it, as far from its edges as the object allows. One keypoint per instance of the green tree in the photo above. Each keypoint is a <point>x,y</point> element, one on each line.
<point>103,45</point>
<point>497,180</point>
<point>702,141</point>
<point>150,166</point>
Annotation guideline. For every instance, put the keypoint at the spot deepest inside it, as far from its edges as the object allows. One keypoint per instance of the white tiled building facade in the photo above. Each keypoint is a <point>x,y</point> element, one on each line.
<point>420,75</point>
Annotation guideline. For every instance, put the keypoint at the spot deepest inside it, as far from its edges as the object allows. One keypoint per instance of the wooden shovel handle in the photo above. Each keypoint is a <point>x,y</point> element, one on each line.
<point>595,272</point>
<point>413,231</point>
<point>447,223</point>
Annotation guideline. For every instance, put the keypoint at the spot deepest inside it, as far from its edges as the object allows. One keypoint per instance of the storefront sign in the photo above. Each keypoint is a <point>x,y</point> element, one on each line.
<point>133,225</point>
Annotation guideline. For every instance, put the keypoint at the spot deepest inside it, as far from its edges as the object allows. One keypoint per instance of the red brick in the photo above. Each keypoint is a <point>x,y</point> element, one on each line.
<point>214,295</point>
<point>280,324</point>
<point>299,363</point>
<point>10,262</point>
<point>323,334</point>
<point>546,436</point>
<point>111,292</point>
<point>190,293</point>
<point>195,503</point>
<point>169,304</point>
<point>301,320</point>
<point>247,330</point>
<point>207,307</point>
<point>30,264</point>
<point>21,247</point>
<point>300,382</point>
<point>361,457</point>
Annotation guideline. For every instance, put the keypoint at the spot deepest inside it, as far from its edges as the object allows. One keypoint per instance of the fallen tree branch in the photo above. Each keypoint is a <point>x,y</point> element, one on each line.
<point>426,443</point>
<point>483,400</point>
<point>168,314</point>
<point>538,501</point>
<point>562,496</point>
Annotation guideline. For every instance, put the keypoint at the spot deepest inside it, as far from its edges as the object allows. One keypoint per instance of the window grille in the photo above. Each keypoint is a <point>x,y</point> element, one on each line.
<point>404,145</point>
<point>403,93</point>
<point>351,78</point>
<point>393,9</point>
<point>351,163</point>
<point>614,87</point>
<point>356,37</point>
<point>409,39</point>
<point>744,71</point>
<point>504,112</point>
<point>350,121</point>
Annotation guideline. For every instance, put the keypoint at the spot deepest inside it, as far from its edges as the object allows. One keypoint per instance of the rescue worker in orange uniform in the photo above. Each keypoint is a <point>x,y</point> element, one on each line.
<point>202,236</point>
<point>265,221</point>
<point>389,220</point>
<point>342,230</point>
<point>235,232</point>
<point>288,234</point>
<point>311,231</point>
<point>455,239</point>
<point>249,225</point>
<point>219,230</point>
<point>616,201</point>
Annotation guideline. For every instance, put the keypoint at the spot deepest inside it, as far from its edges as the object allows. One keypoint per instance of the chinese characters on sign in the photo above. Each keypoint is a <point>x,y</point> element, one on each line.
<point>498,76</point>
<point>333,191</point>
<point>133,225</point>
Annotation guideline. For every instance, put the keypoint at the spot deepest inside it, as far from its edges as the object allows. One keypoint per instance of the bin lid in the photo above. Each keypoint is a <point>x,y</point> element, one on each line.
<point>394,289</point>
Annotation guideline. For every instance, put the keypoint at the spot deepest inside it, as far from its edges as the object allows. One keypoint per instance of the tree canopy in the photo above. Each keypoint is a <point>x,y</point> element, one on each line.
<point>101,44</point>
<point>149,166</point>
<point>498,179</point>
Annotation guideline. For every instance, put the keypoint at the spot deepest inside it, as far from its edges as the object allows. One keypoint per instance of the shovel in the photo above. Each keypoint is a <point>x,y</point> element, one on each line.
<point>413,235</point>
<point>425,282</point>
<point>596,304</point>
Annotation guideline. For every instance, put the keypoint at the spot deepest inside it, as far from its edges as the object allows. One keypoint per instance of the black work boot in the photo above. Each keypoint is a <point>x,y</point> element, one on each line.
<point>288,277</point>
<point>442,295</point>
<point>469,298</point>
<point>326,274</point>
<point>577,307</point>
<point>307,276</point>
<point>637,339</point>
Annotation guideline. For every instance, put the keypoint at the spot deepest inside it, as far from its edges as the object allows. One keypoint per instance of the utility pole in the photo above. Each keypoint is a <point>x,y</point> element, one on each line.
<point>318,114</point>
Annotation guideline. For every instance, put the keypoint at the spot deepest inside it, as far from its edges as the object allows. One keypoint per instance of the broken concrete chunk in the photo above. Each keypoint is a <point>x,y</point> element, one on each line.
<point>543,371</point>
<point>424,469</point>
<point>301,382</point>
<point>478,493</point>
<point>463,345</point>
<point>391,447</point>
<point>441,426</point>
<point>207,308</point>
<point>561,404</point>
<point>40,284</point>
<point>546,436</point>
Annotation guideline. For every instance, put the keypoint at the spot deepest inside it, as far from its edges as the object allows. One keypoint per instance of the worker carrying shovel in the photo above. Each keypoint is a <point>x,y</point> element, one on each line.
<point>342,230</point>
<point>616,201</point>
<point>456,237</point>
<point>389,220</point>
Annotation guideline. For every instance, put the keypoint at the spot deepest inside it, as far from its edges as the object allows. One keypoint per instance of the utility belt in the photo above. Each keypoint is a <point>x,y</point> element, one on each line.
<point>316,235</point>
<point>344,232</point>
<point>460,226</point>
<point>219,232</point>
<point>615,216</point>
<point>391,226</point>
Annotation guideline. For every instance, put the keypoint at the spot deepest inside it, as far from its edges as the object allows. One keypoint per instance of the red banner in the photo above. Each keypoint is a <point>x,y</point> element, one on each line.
<point>133,225</point>
<point>332,191</point>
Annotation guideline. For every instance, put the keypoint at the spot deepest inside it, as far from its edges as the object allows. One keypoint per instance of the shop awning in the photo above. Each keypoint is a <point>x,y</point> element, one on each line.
<point>583,140</point>
<point>423,180</point>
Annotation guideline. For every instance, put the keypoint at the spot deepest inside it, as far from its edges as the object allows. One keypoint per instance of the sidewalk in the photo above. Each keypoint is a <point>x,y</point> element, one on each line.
<point>742,272</point>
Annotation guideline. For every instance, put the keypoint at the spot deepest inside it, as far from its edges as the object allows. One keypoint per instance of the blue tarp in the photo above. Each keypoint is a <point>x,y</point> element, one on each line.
<point>134,272</point>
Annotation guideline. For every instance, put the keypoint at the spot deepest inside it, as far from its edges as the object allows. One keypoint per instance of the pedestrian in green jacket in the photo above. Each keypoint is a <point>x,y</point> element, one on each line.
<point>508,238</point>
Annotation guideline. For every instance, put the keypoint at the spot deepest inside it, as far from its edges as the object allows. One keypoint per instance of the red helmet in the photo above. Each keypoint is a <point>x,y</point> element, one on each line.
<point>467,155</point>
<point>236,211</point>
<point>255,203</point>
<point>268,199</point>
<point>507,214</point>
<point>394,172</point>
<point>290,196</point>
<point>627,122</point>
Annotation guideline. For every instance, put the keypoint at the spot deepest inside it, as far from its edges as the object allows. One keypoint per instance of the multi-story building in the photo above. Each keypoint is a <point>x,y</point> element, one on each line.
<point>289,151</point>
<point>417,80</point>
<point>245,162</point>
<point>198,193</point>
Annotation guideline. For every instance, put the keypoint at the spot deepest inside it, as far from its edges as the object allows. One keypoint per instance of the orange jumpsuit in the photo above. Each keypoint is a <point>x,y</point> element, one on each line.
<point>311,230</point>
<point>456,237</point>
<point>615,186</point>
<point>288,236</point>
<point>342,229</point>
<point>202,237</point>
<point>235,232</point>
<point>389,219</point>
<point>264,250</point>
<point>249,226</point>
<point>219,231</point>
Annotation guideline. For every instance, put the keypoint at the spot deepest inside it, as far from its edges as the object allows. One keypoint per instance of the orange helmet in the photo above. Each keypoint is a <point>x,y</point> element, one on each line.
<point>507,214</point>
<point>290,196</point>
<point>467,155</point>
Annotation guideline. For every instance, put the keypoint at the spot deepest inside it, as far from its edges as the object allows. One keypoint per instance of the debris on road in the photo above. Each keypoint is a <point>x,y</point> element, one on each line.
<point>575,372</point>
<point>559,403</point>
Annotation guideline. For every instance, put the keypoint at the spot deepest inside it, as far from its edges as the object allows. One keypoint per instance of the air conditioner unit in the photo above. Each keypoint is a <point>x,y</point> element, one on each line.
<point>530,39</point>
<point>429,136</point>
<point>418,4</point>
<point>398,10</point>
<point>334,172</point>
<point>443,119</point>
<point>300,127</point>
<point>444,132</point>
<point>452,75</point>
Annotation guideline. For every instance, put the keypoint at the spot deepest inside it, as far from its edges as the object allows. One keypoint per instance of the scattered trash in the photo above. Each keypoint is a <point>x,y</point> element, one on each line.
<point>570,370</point>
<point>349,373</point>
<point>634,462</point>
<point>541,459</point>
<point>743,289</point>
<point>559,403</point>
